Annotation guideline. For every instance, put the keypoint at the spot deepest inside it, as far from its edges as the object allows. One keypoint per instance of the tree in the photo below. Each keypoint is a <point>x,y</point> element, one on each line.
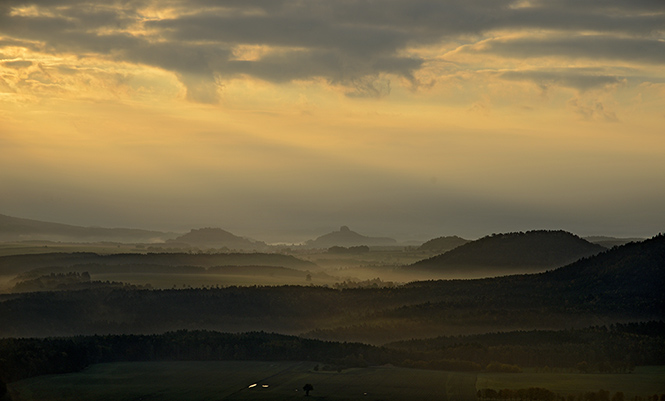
<point>3,391</point>
<point>308,387</point>
<point>583,367</point>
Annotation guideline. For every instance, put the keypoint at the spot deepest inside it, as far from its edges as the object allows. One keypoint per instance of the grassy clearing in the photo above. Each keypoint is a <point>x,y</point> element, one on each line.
<point>198,381</point>
<point>195,381</point>
<point>644,381</point>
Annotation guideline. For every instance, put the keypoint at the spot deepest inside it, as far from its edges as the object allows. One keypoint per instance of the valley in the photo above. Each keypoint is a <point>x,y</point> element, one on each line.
<point>387,319</point>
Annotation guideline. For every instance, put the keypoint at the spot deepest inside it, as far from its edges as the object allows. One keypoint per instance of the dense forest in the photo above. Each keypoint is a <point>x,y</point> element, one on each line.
<point>618,348</point>
<point>614,349</point>
<point>622,284</point>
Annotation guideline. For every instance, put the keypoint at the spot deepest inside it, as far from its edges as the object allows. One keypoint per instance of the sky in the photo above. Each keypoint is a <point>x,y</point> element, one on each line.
<point>282,120</point>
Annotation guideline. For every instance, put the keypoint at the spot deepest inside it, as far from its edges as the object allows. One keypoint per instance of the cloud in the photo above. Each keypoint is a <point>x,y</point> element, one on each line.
<point>17,64</point>
<point>626,50</point>
<point>579,79</point>
<point>368,86</point>
<point>5,87</point>
<point>592,110</point>
<point>348,43</point>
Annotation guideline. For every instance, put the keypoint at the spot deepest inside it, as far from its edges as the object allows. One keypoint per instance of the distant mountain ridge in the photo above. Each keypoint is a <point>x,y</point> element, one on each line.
<point>346,237</point>
<point>609,242</point>
<point>443,244</point>
<point>218,238</point>
<point>539,249</point>
<point>18,229</point>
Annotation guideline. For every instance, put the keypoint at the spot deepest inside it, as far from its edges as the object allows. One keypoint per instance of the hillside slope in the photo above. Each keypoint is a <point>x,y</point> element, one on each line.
<point>531,251</point>
<point>624,280</point>
<point>17,229</point>
<point>14,264</point>
<point>218,238</point>
<point>597,289</point>
<point>634,272</point>
<point>346,237</point>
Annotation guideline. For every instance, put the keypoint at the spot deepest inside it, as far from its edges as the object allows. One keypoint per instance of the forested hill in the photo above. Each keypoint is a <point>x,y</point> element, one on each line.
<point>15,264</point>
<point>601,349</point>
<point>590,350</point>
<point>637,267</point>
<point>622,284</point>
<point>535,249</point>
<point>625,279</point>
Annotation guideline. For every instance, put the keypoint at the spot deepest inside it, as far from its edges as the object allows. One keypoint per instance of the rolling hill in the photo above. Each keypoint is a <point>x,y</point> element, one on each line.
<point>530,251</point>
<point>636,269</point>
<point>443,244</point>
<point>217,238</point>
<point>346,237</point>
<point>618,285</point>
<point>18,229</point>
<point>15,264</point>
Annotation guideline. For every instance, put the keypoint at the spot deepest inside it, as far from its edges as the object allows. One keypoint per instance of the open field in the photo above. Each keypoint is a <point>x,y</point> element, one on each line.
<point>194,381</point>
<point>644,381</point>
<point>284,380</point>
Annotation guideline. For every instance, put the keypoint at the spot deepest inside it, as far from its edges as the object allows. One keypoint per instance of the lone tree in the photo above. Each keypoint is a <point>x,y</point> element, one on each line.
<point>308,387</point>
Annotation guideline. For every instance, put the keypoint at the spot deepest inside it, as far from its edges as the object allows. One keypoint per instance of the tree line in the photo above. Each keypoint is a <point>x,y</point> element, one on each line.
<point>543,394</point>
<point>21,358</point>
<point>617,348</point>
<point>26,357</point>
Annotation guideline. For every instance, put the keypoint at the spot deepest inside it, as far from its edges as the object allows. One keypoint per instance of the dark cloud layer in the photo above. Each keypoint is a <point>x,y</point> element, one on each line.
<point>625,50</point>
<point>350,43</point>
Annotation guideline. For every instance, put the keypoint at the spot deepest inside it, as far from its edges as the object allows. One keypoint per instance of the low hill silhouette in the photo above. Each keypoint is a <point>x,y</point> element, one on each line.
<point>609,242</point>
<point>18,229</point>
<point>346,237</point>
<point>443,244</point>
<point>218,238</point>
<point>16,264</point>
<point>619,285</point>
<point>530,251</point>
<point>636,269</point>
<point>626,280</point>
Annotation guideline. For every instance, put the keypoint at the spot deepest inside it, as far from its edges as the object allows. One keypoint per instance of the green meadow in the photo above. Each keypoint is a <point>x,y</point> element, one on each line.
<point>194,381</point>
<point>251,380</point>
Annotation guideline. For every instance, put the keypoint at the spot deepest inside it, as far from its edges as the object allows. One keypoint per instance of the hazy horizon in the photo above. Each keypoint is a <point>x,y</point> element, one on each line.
<point>282,120</point>
<point>302,235</point>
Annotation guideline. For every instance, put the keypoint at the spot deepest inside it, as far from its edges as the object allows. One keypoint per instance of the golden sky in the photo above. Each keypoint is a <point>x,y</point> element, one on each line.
<point>284,119</point>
